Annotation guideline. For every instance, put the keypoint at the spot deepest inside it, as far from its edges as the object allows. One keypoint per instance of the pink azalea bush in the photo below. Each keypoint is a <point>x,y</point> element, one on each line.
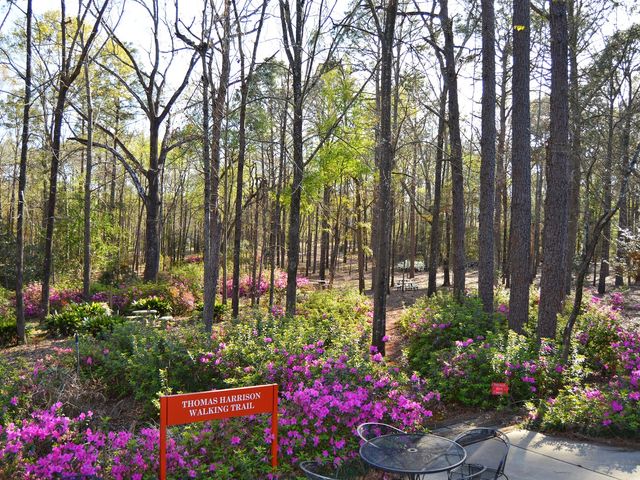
<point>330,381</point>
<point>462,351</point>
<point>605,398</point>
<point>247,287</point>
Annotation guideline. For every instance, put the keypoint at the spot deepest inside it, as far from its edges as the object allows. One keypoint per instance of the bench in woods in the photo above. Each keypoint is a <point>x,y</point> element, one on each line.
<point>150,317</point>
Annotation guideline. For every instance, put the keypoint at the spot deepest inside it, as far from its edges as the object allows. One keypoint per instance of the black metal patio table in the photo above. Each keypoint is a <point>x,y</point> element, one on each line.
<point>412,454</point>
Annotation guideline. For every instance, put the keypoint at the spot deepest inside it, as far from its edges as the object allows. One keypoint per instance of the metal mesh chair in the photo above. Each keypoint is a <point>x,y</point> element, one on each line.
<point>370,430</point>
<point>467,471</point>
<point>485,447</point>
<point>349,470</point>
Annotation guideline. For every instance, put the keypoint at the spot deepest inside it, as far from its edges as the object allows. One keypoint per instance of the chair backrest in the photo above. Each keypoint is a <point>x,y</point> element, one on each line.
<point>370,430</point>
<point>349,470</point>
<point>316,471</point>
<point>486,446</point>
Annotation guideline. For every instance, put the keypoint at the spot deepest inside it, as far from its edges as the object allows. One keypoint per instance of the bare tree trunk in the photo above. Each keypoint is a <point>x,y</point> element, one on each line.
<point>315,240</point>
<point>324,235</point>
<point>501,178</point>
<point>575,152</point>
<point>555,209</point>
<point>536,222</point>
<point>359,238</point>
<point>434,240</point>
<point>22,183</point>
<point>307,266</point>
<point>486,269</point>
<point>242,150</point>
<point>520,238</point>
<point>457,180</point>
<point>86,272</point>
<point>386,34</point>
<point>412,214</point>
<point>605,244</point>
<point>275,219</point>
<point>294,54</point>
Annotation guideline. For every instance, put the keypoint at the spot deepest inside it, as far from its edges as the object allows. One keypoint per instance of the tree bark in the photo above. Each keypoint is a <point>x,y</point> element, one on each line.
<point>575,152</point>
<point>359,238</point>
<point>486,269</point>
<point>324,235</point>
<point>386,34</point>
<point>22,183</point>
<point>86,271</point>
<point>242,151</point>
<point>434,240</point>
<point>501,178</point>
<point>212,267</point>
<point>520,229</point>
<point>605,244</point>
<point>555,209</point>
<point>457,180</point>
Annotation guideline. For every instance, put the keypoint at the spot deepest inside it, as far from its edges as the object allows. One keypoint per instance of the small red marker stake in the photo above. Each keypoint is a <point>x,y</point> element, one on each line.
<point>499,389</point>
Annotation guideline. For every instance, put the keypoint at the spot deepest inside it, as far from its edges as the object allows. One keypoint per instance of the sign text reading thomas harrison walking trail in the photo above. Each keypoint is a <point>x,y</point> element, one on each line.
<point>222,404</point>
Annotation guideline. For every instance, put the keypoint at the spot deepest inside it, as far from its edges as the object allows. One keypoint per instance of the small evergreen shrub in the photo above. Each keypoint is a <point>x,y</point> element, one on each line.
<point>8,332</point>
<point>83,317</point>
<point>163,307</point>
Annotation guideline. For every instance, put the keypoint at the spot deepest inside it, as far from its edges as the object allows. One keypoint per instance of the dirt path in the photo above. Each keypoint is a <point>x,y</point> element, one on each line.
<point>631,311</point>
<point>398,301</point>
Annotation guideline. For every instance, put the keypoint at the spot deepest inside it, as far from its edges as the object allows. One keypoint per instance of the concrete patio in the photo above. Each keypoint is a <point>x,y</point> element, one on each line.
<point>534,456</point>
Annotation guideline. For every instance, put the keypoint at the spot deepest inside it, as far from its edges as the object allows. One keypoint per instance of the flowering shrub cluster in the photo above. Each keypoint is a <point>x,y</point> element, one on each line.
<point>330,381</point>
<point>247,287</point>
<point>58,299</point>
<point>462,350</point>
<point>50,444</point>
<point>605,399</point>
<point>325,398</point>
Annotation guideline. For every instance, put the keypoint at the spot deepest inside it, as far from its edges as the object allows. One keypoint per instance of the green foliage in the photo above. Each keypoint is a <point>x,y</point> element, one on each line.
<point>97,325</point>
<point>11,396</point>
<point>92,318</point>
<point>437,322</point>
<point>141,362</point>
<point>8,262</point>
<point>163,307</point>
<point>586,409</point>
<point>8,332</point>
<point>462,350</point>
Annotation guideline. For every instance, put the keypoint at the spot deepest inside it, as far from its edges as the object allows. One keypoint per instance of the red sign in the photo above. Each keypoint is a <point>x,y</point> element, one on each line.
<point>499,389</point>
<point>216,405</point>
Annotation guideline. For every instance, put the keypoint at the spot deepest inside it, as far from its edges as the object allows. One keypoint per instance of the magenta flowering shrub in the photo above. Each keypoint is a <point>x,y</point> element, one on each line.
<point>605,399</point>
<point>325,398</point>
<point>330,381</point>
<point>117,301</point>
<point>49,445</point>
<point>248,289</point>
